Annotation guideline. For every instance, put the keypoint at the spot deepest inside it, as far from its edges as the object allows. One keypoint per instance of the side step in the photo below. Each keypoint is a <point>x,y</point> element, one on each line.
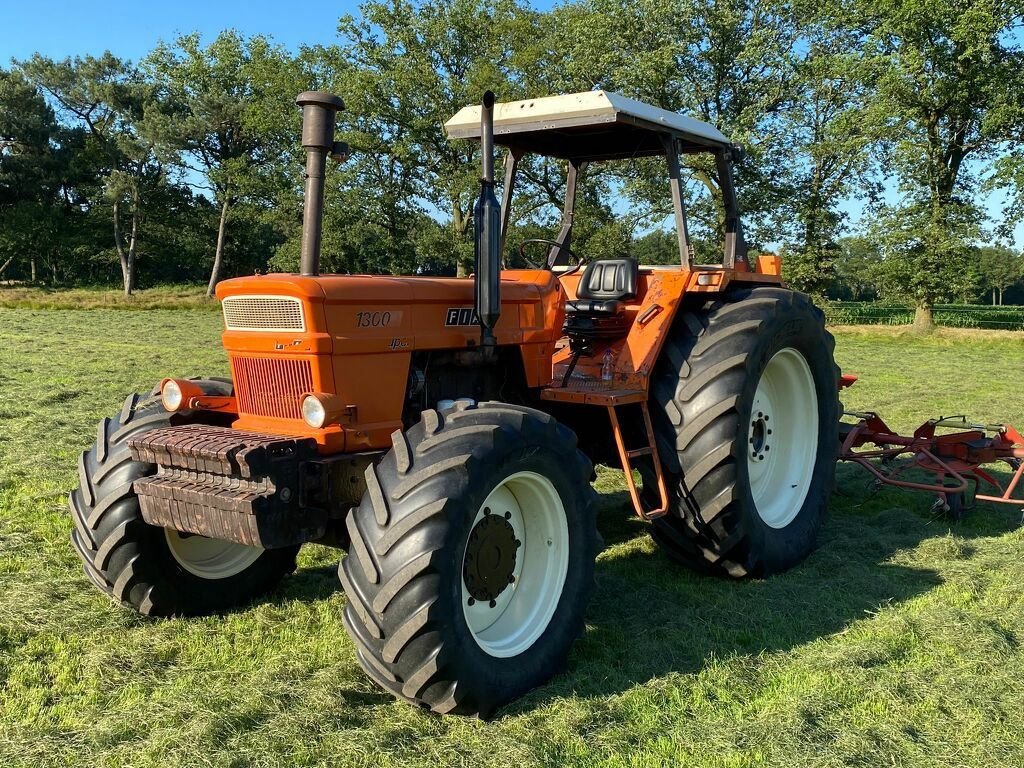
<point>228,484</point>
<point>605,396</point>
<point>627,455</point>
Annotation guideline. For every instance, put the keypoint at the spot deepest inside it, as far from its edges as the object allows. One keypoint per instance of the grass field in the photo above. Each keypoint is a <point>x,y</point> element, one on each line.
<point>899,642</point>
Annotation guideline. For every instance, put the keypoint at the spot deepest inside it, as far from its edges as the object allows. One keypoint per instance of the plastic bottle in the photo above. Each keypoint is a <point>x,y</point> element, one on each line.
<point>606,366</point>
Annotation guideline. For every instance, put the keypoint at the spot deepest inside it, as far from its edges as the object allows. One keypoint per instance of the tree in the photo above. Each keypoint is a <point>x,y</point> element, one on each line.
<point>228,115</point>
<point>830,146</point>
<point>107,98</point>
<point>1000,268</point>
<point>29,171</point>
<point>942,96</point>
<point>407,68</point>
<point>730,63</point>
<point>926,254</point>
<point>858,266</point>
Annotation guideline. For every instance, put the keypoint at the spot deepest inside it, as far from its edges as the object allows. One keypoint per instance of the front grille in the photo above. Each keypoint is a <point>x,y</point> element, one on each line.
<point>263,313</point>
<point>271,386</point>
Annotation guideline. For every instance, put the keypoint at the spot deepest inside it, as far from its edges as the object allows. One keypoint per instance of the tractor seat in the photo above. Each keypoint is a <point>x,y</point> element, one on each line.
<point>604,285</point>
<point>603,288</point>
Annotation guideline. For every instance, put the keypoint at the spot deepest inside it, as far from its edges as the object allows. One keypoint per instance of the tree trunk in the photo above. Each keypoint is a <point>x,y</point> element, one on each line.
<point>218,256</point>
<point>923,319</point>
<point>6,265</point>
<point>122,255</point>
<point>1000,296</point>
<point>32,263</point>
<point>460,222</point>
<point>132,243</point>
<point>993,297</point>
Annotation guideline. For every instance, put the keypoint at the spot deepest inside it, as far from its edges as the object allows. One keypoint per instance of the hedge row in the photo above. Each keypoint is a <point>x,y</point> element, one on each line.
<point>947,315</point>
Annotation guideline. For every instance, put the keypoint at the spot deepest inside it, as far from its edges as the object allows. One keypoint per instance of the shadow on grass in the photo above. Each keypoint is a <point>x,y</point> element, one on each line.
<point>308,584</point>
<point>649,617</point>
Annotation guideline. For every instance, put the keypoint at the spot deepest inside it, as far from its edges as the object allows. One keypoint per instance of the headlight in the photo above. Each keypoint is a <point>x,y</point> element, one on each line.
<point>177,394</point>
<point>313,411</point>
<point>320,409</point>
<point>171,395</point>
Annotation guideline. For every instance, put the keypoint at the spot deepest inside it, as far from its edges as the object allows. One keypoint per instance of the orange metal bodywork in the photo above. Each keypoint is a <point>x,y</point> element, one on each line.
<point>361,332</point>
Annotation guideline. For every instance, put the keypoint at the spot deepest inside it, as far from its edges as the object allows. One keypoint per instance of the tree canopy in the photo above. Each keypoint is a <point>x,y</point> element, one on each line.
<point>185,166</point>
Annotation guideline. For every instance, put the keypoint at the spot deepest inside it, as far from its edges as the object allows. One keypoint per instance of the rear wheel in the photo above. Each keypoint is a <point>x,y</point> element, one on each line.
<point>153,570</point>
<point>745,405</point>
<point>472,558</point>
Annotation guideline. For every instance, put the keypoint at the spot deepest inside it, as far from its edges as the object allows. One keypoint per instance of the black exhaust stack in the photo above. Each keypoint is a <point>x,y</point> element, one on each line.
<point>318,114</point>
<point>487,229</point>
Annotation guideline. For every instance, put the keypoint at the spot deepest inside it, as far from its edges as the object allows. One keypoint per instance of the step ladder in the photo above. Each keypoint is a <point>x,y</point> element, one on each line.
<point>626,456</point>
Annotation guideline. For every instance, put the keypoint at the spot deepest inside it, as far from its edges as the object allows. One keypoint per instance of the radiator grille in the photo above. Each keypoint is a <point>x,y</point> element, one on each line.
<point>263,313</point>
<point>271,386</point>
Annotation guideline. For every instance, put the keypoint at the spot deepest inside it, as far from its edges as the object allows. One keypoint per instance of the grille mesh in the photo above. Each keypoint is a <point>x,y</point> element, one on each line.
<point>263,313</point>
<point>271,386</point>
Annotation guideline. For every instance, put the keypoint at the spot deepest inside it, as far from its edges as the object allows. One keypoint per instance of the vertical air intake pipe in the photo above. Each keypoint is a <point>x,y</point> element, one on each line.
<point>318,115</point>
<point>487,229</point>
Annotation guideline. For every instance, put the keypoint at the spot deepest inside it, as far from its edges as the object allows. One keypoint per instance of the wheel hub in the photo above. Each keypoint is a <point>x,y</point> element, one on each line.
<point>759,434</point>
<point>490,559</point>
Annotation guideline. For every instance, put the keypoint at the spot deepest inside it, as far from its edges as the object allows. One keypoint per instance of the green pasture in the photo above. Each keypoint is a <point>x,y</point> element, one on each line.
<point>898,643</point>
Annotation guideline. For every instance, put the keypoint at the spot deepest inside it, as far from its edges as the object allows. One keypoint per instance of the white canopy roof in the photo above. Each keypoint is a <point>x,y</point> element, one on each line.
<point>606,117</point>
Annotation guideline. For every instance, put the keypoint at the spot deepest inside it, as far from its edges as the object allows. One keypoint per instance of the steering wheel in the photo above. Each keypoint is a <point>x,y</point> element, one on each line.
<point>554,244</point>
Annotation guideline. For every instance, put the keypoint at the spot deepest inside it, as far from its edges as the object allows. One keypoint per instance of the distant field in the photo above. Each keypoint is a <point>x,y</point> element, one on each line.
<point>899,642</point>
<point>162,297</point>
<point>976,316</point>
<point>1008,318</point>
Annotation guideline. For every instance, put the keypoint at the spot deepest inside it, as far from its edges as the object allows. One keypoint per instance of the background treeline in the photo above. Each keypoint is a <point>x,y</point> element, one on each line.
<point>186,167</point>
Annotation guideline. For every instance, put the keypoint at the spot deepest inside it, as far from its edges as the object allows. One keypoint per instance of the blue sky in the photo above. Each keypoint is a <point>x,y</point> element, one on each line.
<point>131,29</point>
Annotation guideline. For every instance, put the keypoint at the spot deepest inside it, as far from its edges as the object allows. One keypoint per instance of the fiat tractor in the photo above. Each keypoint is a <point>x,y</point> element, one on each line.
<point>444,431</point>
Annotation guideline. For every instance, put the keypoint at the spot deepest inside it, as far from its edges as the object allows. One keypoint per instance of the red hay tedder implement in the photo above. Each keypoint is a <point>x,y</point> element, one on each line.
<point>954,458</point>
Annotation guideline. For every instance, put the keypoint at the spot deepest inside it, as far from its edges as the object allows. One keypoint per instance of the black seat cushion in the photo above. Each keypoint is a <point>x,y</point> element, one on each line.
<point>606,280</point>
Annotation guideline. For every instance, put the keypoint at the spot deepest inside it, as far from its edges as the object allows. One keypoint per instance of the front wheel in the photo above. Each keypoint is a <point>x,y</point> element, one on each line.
<point>746,410</point>
<point>157,571</point>
<point>472,558</point>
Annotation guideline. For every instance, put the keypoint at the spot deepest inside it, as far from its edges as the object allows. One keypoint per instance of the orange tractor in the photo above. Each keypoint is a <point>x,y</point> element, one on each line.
<point>444,431</point>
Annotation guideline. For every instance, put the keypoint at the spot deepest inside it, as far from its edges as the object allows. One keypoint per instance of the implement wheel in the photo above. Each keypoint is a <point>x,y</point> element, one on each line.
<point>472,558</point>
<point>153,570</point>
<point>745,406</point>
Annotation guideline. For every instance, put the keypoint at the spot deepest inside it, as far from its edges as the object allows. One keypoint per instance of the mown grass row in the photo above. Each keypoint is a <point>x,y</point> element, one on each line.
<point>1009,318</point>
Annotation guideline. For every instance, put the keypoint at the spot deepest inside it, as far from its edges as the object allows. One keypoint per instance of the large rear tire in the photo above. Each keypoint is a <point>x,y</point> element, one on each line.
<point>746,410</point>
<point>472,558</point>
<point>156,571</point>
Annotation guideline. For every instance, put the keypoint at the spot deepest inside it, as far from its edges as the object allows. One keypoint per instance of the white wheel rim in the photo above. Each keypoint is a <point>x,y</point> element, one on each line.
<point>210,558</point>
<point>519,614</point>
<point>782,438</point>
